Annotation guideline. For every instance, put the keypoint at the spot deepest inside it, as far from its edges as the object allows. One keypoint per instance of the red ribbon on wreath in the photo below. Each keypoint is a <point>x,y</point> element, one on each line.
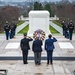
<point>39,33</point>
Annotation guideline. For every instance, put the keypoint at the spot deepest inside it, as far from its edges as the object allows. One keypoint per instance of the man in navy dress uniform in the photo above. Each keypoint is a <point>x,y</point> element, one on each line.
<point>24,44</point>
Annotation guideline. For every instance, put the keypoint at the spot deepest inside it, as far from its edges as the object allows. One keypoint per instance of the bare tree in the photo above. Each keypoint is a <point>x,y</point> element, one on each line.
<point>8,13</point>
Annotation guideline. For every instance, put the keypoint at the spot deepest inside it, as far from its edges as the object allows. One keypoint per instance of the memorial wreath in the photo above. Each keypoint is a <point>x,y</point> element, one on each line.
<point>39,33</point>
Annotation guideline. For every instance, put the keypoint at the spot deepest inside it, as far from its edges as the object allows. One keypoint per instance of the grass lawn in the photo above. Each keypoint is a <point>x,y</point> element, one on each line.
<point>25,29</point>
<point>57,23</point>
<point>20,22</point>
<point>53,31</point>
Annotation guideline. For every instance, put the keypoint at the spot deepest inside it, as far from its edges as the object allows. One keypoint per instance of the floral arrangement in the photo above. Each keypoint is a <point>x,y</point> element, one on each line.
<point>39,33</point>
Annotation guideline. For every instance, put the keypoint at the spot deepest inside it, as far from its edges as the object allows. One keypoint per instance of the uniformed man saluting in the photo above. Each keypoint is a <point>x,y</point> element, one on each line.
<point>24,44</point>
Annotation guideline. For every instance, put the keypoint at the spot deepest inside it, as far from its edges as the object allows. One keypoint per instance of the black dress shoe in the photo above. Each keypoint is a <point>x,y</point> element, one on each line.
<point>51,63</point>
<point>39,63</point>
<point>47,63</point>
<point>25,62</point>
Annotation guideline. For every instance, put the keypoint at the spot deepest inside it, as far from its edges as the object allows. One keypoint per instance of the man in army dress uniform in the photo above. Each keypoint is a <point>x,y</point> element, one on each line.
<point>71,28</point>
<point>63,27</point>
<point>7,30</point>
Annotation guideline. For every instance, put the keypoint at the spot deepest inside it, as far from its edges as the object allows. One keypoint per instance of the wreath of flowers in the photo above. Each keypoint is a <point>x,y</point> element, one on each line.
<point>39,33</point>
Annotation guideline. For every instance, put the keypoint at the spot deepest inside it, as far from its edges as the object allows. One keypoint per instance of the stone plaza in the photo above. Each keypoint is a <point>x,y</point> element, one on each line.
<point>11,48</point>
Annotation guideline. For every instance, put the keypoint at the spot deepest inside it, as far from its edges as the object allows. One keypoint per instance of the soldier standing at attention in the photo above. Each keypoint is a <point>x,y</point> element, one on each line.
<point>71,28</point>
<point>13,30</point>
<point>7,30</point>
<point>63,27</point>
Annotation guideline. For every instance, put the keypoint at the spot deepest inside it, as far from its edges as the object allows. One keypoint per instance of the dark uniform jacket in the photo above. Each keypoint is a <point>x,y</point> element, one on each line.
<point>6,27</point>
<point>24,44</point>
<point>63,25</point>
<point>71,26</point>
<point>13,26</point>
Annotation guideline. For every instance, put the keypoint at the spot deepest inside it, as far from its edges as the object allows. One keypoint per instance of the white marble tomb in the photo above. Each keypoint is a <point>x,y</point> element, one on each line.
<point>38,20</point>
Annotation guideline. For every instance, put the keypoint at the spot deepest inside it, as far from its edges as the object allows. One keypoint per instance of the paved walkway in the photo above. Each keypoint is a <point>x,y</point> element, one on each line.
<point>59,29</point>
<point>11,48</point>
<point>58,68</point>
<point>21,26</point>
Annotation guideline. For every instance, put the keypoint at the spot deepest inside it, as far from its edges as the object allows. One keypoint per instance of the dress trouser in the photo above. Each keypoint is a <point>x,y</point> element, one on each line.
<point>25,56</point>
<point>49,56</point>
<point>70,34</point>
<point>11,35</point>
<point>37,57</point>
<point>7,35</point>
<point>63,32</point>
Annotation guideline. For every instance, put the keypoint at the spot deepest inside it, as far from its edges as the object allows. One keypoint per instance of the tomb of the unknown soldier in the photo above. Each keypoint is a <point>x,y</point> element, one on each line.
<point>38,20</point>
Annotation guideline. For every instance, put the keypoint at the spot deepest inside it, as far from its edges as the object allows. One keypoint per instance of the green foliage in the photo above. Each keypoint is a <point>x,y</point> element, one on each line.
<point>48,8</point>
<point>25,14</point>
<point>38,6</point>
<point>52,30</point>
<point>20,22</point>
<point>25,29</point>
<point>57,23</point>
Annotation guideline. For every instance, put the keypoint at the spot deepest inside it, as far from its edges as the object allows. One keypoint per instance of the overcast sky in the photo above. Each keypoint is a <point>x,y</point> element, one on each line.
<point>32,0</point>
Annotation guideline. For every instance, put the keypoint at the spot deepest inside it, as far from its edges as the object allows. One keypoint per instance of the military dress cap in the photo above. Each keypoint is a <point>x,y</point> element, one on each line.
<point>25,34</point>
